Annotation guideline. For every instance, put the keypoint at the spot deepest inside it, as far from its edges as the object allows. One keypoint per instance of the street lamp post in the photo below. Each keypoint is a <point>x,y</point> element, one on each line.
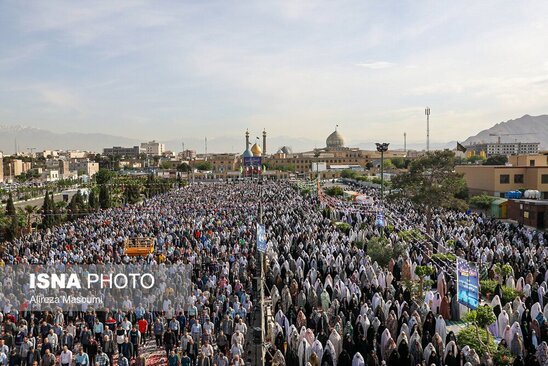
<point>382,148</point>
<point>259,321</point>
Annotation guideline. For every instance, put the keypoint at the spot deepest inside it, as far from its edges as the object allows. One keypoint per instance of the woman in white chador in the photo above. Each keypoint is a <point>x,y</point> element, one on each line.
<point>385,338</point>
<point>495,302</point>
<point>536,309</point>
<point>317,348</point>
<point>441,327</point>
<point>502,321</point>
<point>358,360</point>
<point>520,284</point>
<point>428,351</point>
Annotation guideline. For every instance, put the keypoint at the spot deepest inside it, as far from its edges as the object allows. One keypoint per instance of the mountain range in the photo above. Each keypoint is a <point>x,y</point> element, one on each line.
<point>525,129</point>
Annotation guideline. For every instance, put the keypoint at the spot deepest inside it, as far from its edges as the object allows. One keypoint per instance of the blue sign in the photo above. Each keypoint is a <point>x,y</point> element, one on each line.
<point>379,221</point>
<point>467,284</point>
<point>254,161</point>
<point>261,238</point>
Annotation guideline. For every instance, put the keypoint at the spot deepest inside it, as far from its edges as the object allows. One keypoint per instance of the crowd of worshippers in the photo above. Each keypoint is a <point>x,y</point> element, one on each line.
<point>330,304</point>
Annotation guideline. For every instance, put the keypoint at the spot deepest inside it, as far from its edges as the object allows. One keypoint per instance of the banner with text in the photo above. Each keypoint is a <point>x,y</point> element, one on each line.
<point>261,238</point>
<point>467,284</point>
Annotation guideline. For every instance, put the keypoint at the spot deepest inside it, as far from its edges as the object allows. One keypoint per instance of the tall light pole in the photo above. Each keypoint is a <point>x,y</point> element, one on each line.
<point>405,143</point>
<point>427,113</point>
<point>317,156</point>
<point>382,148</point>
<point>259,320</point>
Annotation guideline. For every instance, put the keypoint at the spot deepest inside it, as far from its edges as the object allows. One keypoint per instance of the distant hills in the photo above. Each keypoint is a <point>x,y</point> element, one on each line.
<point>530,128</point>
<point>41,139</point>
<point>525,129</point>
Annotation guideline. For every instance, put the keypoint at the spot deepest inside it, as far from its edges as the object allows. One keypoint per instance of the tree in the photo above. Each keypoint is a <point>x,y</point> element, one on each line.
<point>204,166</point>
<point>431,182</point>
<point>105,200</point>
<point>11,213</point>
<point>76,207</point>
<point>132,193</point>
<point>496,160</point>
<point>29,211</point>
<point>165,165</point>
<point>334,191</point>
<point>184,167</point>
<point>399,162</point>
<point>422,272</point>
<point>103,176</point>
<point>48,220</point>
<point>56,210</point>
<point>388,164</point>
<point>93,202</point>
<point>482,201</point>
<point>482,317</point>
<point>348,173</point>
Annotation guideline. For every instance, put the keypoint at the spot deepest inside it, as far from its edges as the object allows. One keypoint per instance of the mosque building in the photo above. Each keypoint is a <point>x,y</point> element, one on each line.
<point>334,156</point>
<point>328,161</point>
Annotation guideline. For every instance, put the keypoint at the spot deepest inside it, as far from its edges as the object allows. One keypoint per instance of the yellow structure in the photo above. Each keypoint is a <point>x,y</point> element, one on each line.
<point>139,246</point>
<point>256,150</point>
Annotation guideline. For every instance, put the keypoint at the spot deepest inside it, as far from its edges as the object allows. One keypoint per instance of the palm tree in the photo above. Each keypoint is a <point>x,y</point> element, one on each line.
<point>28,211</point>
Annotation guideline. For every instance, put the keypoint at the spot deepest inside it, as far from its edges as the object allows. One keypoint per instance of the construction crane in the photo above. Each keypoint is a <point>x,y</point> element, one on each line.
<point>498,135</point>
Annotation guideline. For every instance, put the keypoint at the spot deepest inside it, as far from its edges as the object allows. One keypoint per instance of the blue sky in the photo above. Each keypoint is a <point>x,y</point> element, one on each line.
<point>172,68</point>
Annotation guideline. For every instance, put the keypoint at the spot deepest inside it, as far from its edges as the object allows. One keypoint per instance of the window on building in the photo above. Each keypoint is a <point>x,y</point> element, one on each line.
<point>518,178</point>
<point>544,179</point>
<point>504,178</point>
<point>531,162</point>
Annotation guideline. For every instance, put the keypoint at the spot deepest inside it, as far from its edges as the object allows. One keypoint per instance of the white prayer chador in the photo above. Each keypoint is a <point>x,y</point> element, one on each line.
<point>441,327</point>
<point>317,348</point>
<point>428,351</point>
<point>358,360</point>
<point>304,352</point>
<point>502,321</point>
<point>536,309</point>
<point>496,301</point>
<point>385,338</point>
<point>336,341</point>
<point>451,346</point>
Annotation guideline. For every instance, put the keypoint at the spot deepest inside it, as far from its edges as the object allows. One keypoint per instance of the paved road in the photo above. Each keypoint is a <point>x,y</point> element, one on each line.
<point>38,201</point>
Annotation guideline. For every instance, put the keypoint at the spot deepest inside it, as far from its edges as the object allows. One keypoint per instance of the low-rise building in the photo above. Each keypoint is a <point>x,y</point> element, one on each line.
<point>153,148</point>
<point>77,154</point>
<point>134,151</point>
<point>505,148</point>
<point>14,168</point>
<point>89,168</point>
<point>50,175</point>
<point>496,180</point>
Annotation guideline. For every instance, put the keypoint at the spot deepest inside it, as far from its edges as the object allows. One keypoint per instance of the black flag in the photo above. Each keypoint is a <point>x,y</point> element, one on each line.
<point>461,147</point>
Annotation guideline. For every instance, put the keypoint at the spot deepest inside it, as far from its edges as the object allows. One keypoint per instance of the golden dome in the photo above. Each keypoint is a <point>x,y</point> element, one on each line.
<point>335,140</point>
<point>256,150</point>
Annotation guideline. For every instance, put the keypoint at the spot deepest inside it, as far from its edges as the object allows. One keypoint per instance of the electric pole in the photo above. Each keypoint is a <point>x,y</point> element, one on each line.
<point>427,113</point>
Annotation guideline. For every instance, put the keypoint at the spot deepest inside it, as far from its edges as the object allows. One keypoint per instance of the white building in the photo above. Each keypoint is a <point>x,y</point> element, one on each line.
<point>506,148</point>
<point>50,175</point>
<point>153,148</point>
<point>77,154</point>
<point>89,168</point>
